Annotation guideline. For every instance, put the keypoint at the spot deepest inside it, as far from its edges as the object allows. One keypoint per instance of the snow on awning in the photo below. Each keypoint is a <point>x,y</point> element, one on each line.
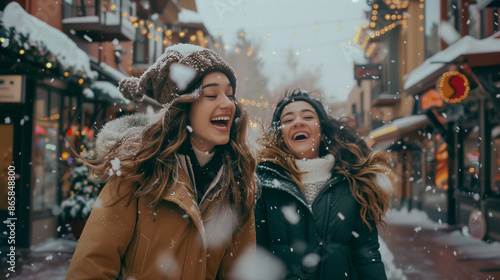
<point>105,91</point>
<point>67,53</point>
<point>188,16</point>
<point>465,46</point>
<point>112,72</point>
<point>397,129</point>
<point>107,71</point>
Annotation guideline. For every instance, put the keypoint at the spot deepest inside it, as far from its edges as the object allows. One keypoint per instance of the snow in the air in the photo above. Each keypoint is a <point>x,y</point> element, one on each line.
<point>182,75</point>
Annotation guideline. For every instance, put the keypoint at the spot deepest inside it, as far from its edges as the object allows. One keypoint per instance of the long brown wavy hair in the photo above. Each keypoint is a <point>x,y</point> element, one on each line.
<point>353,159</point>
<point>149,163</point>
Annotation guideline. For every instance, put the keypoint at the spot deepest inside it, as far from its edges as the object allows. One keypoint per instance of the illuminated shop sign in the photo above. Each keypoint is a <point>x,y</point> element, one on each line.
<point>453,87</point>
<point>12,89</point>
<point>431,99</point>
<point>368,72</point>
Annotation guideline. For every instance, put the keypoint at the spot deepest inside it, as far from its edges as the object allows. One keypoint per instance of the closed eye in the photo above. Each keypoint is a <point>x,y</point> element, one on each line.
<point>210,95</point>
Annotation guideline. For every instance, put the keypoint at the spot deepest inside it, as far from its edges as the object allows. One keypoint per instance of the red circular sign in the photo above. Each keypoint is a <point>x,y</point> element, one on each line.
<point>453,87</point>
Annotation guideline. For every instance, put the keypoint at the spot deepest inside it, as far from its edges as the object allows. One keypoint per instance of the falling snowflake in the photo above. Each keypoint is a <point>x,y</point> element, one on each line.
<point>182,75</point>
<point>290,213</point>
<point>115,163</point>
<point>341,216</point>
<point>311,260</point>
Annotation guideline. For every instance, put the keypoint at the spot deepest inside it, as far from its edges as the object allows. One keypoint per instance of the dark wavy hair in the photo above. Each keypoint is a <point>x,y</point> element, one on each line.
<point>353,159</point>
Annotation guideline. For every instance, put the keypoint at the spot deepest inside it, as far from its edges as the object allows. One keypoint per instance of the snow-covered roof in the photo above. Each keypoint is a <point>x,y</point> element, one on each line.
<point>466,45</point>
<point>105,91</point>
<point>188,16</point>
<point>40,33</point>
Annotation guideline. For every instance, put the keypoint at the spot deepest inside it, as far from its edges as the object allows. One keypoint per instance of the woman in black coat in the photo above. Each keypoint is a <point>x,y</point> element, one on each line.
<point>320,203</point>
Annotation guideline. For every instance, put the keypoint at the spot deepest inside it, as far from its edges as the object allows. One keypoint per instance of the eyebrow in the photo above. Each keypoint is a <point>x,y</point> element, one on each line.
<point>214,85</point>
<point>303,111</point>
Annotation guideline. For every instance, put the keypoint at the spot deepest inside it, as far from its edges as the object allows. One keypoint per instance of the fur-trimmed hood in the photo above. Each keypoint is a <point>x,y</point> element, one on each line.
<point>127,128</point>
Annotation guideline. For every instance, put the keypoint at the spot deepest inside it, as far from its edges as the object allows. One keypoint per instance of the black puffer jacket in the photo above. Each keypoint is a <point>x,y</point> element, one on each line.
<point>325,240</point>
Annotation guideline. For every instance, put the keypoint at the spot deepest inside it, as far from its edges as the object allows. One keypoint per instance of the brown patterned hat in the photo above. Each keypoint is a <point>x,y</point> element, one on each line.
<point>175,73</point>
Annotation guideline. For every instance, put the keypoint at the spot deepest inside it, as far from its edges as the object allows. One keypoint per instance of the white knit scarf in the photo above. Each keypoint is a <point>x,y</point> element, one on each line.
<point>318,170</point>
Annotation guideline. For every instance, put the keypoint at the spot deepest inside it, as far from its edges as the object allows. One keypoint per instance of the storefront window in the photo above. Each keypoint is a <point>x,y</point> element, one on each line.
<point>45,173</point>
<point>89,118</point>
<point>453,13</point>
<point>6,150</point>
<point>431,16</point>
<point>495,160</point>
<point>140,48</point>
<point>471,161</point>
<point>437,163</point>
<point>474,21</point>
<point>441,178</point>
<point>71,131</point>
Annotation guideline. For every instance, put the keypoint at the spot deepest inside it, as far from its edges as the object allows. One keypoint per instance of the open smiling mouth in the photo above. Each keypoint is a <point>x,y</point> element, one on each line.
<point>300,136</point>
<point>220,122</point>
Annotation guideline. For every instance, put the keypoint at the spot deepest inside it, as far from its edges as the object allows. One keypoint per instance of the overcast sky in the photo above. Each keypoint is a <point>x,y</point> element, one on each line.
<point>319,31</point>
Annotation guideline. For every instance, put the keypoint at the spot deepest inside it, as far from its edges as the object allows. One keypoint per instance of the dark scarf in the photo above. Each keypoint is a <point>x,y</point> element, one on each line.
<point>203,175</point>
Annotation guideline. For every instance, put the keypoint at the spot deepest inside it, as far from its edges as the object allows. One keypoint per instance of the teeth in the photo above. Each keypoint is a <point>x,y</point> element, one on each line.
<point>220,119</point>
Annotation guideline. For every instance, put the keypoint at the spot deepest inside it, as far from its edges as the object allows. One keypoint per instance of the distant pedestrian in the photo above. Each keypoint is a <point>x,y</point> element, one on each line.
<point>181,190</point>
<point>320,202</point>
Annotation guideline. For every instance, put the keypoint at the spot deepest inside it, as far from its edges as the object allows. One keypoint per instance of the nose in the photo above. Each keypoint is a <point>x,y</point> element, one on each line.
<point>226,102</point>
<point>298,122</point>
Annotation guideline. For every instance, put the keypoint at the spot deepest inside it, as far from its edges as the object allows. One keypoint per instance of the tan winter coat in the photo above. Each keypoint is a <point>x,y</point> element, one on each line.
<point>173,242</point>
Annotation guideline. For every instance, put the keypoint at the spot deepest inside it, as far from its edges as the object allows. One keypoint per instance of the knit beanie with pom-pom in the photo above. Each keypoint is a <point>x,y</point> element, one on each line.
<point>175,73</point>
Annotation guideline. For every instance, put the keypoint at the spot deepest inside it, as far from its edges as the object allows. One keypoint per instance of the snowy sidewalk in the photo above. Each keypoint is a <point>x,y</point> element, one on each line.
<point>421,249</point>
<point>49,260</point>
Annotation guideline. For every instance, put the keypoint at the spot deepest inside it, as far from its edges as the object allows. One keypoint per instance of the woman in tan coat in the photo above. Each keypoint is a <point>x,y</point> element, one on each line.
<point>179,200</point>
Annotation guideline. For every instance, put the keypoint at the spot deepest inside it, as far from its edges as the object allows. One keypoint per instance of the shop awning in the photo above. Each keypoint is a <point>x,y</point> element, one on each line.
<point>107,71</point>
<point>107,92</point>
<point>397,129</point>
<point>467,49</point>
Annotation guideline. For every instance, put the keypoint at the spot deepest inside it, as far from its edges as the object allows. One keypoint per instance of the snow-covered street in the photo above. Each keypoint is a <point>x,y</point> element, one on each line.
<point>418,248</point>
<point>412,247</point>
